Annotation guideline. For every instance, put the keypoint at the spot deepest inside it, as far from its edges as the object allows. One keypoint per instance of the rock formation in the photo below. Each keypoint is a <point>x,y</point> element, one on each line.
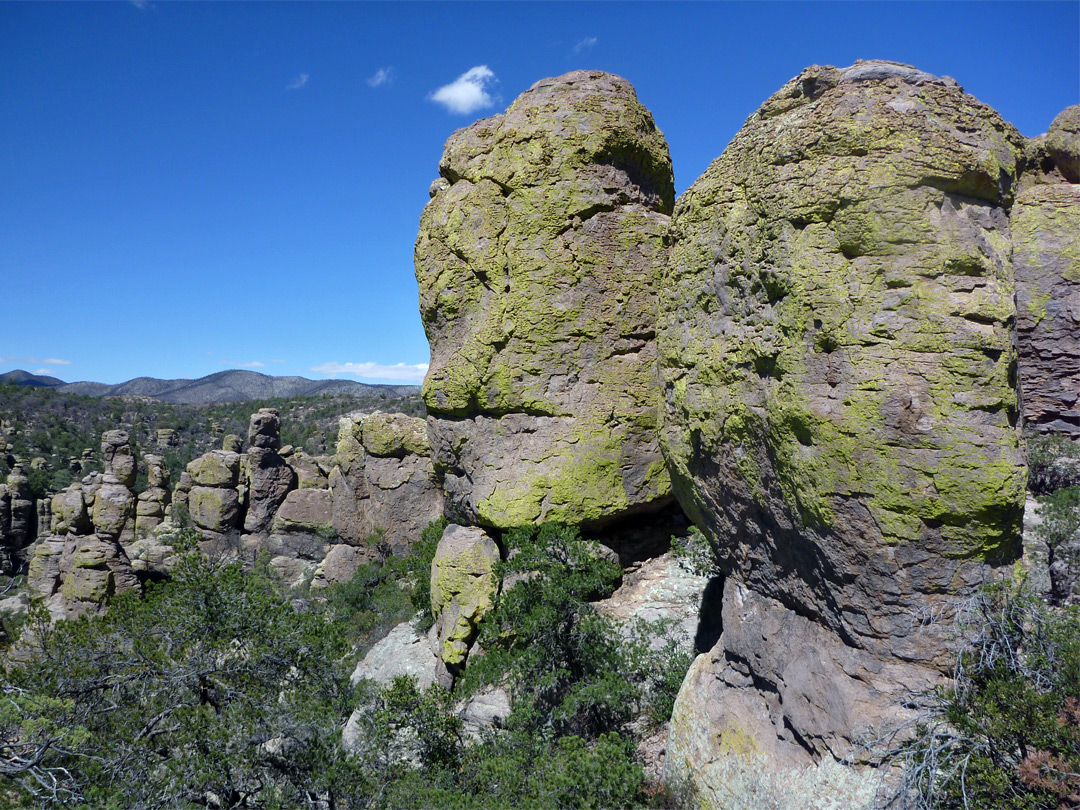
<point>81,561</point>
<point>839,409</point>
<point>1046,255</point>
<point>383,479</point>
<point>18,518</point>
<point>538,258</point>
<point>269,477</point>
<point>154,500</point>
<point>463,589</point>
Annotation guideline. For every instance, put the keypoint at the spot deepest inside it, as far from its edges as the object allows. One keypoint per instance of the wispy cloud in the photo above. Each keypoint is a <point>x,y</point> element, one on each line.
<point>585,44</point>
<point>298,82</point>
<point>48,361</point>
<point>399,372</point>
<point>252,364</point>
<point>140,4</point>
<point>382,76</point>
<point>468,93</point>
<point>43,371</point>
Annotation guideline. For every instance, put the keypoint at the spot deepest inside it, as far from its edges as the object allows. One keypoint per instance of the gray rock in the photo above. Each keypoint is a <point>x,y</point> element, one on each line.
<point>1063,143</point>
<point>463,588</point>
<point>264,430</point>
<point>305,510</point>
<point>214,509</point>
<point>218,468</point>
<point>118,456</point>
<point>394,491</point>
<point>835,345</point>
<point>402,653</point>
<point>270,480</point>
<point>1046,257</point>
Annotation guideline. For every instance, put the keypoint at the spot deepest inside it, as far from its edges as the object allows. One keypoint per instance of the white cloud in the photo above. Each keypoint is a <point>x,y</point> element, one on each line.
<point>585,44</point>
<point>44,371</point>
<point>298,82</point>
<point>140,4</point>
<point>382,76</point>
<point>52,361</point>
<point>399,372</point>
<point>252,364</point>
<point>468,93</point>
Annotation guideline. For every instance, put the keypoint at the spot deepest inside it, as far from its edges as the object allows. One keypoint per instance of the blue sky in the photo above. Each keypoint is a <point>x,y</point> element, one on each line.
<point>190,187</point>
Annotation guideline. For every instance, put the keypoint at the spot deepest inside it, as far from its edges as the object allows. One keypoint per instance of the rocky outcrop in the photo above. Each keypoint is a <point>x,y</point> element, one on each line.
<point>81,562</point>
<point>1046,254</point>
<point>18,518</point>
<point>463,588</point>
<point>839,413</point>
<point>213,500</point>
<point>154,500</point>
<point>118,456</point>
<point>1063,143</point>
<point>538,259</point>
<point>383,479</point>
<point>269,477</point>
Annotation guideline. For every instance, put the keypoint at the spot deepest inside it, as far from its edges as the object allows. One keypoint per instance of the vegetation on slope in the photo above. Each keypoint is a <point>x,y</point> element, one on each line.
<point>217,689</point>
<point>58,427</point>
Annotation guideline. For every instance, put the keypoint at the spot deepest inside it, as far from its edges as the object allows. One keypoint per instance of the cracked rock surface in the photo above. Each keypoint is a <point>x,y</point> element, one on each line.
<point>537,260</point>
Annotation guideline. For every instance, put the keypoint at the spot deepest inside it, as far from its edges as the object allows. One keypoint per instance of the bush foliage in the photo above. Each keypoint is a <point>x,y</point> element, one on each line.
<point>219,689</point>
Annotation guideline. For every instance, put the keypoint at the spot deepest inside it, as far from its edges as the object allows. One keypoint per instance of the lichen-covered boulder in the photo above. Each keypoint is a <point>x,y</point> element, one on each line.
<point>118,456</point>
<point>114,509</point>
<point>69,512</point>
<point>215,509</point>
<point>537,261</point>
<point>218,468</point>
<point>79,574</point>
<point>463,587</point>
<point>22,510</point>
<point>394,434</point>
<point>1046,256</point>
<point>383,480</point>
<point>835,345</point>
<point>1063,143</point>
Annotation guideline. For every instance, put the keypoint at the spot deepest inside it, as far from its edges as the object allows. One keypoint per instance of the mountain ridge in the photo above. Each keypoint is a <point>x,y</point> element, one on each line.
<point>232,385</point>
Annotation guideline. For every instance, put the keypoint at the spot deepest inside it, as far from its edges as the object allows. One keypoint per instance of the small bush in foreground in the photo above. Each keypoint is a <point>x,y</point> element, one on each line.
<point>1006,734</point>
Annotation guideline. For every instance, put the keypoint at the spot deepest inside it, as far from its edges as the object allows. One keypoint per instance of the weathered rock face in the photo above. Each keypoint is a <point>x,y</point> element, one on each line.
<point>384,479</point>
<point>306,510</point>
<point>1046,254</point>
<point>270,480</point>
<point>118,457</point>
<point>153,501</point>
<point>537,260</point>
<point>463,587</point>
<point>21,523</point>
<point>839,414</point>
<point>1063,143</point>
<point>78,574</point>
<point>264,430</point>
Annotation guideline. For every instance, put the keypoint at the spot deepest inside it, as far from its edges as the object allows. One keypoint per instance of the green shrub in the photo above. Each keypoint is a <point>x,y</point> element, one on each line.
<point>1006,733</point>
<point>1046,470</point>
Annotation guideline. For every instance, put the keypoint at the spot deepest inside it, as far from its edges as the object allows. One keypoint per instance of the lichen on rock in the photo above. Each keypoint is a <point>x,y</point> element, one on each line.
<point>537,261</point>
<point>835,344</point>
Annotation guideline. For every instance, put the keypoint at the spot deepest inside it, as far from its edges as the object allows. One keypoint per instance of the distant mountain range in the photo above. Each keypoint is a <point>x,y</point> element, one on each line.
<point>225,386</point>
